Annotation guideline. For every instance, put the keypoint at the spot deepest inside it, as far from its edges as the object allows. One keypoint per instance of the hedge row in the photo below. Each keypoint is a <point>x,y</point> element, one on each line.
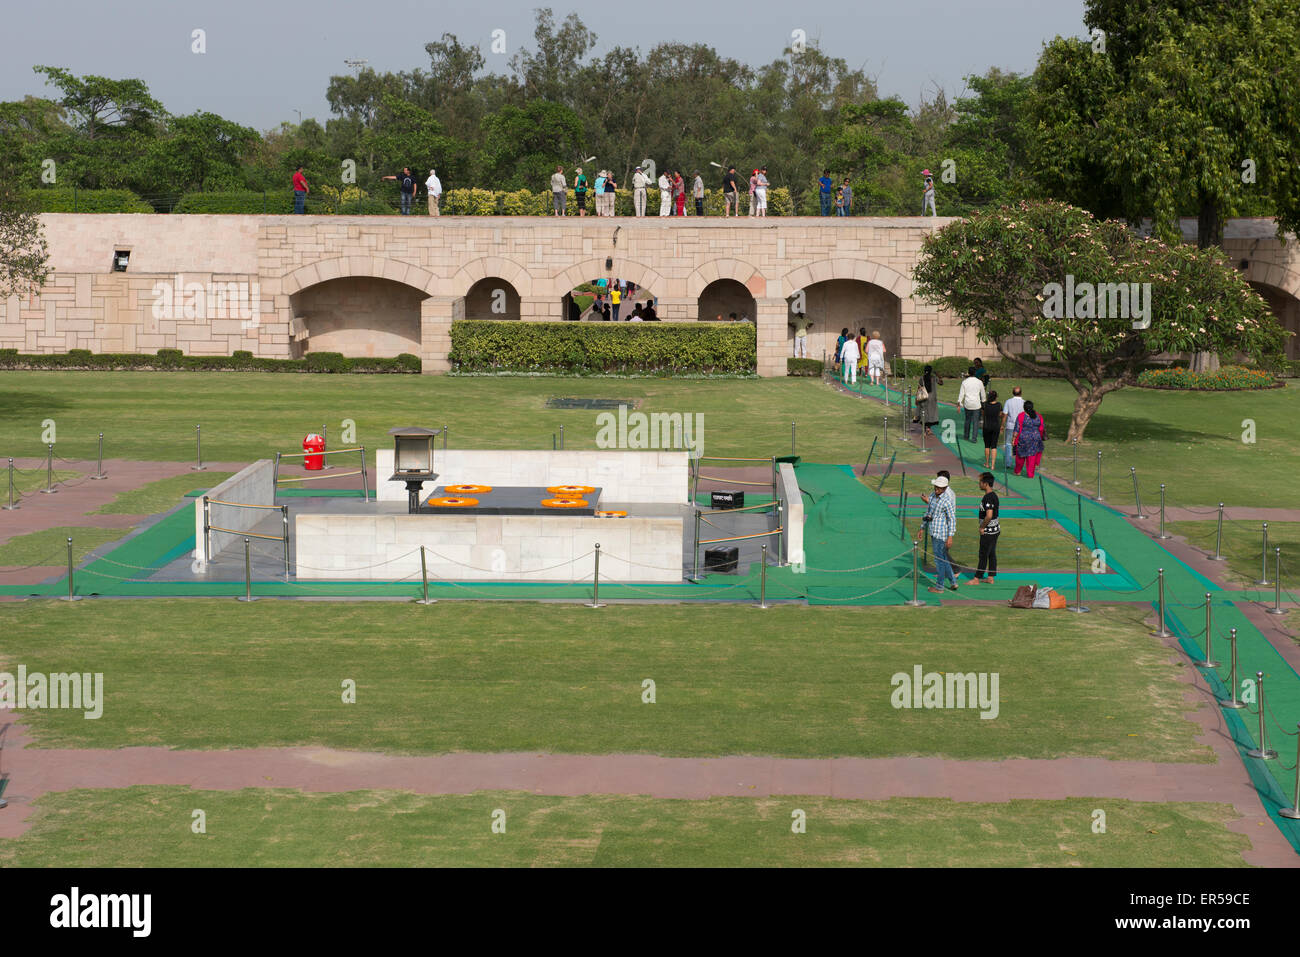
<point>598,348</point>
<point>804,367</point>
<point>64,199</point>
<point>173,360</point>
<point>1225,379</point>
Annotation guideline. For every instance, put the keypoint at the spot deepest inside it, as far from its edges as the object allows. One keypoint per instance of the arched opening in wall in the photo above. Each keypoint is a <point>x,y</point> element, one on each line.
<point>837,304</point>
<point>1287,309</point>
<point>594,301</point>
<point>491,298</point>
<point>357,316</point>
<point>727,300</point>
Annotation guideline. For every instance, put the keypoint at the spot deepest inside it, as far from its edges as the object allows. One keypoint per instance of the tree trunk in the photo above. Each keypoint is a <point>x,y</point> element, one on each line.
<point>1086,404</point>
<point>1209,232</point>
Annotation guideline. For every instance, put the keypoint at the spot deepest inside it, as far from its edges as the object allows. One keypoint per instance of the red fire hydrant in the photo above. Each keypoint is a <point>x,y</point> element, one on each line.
<point>313,443</point>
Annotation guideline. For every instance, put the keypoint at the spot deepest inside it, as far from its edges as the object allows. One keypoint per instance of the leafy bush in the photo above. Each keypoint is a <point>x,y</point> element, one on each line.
<point>279,202</point>
<point>1225,379</point>
<point>804,367</point>
<point>666,349</point>
<point>173,360</point>
<point>65,199</point>
<point>1281,367</point>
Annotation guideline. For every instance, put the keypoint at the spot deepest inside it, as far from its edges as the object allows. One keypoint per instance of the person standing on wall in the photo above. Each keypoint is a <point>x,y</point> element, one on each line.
<point>847,190</point>
<point>801,327</point>
<point>580,191</point>
<point>824,186</point>
<point>697,190</point>
<point>406,183</point>
<point>639,183</point>
<point>611,195</point>
<point>665,193</point>
<point>433,187</point>
<point>760,191</point>
<point>559,189</point>
<point>927,198</point>
<point>300,191</point>
<point>679,193</point>
<point>730,196</point>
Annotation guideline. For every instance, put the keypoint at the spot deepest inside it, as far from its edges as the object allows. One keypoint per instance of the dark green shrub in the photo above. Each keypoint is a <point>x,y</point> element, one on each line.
<point>582,348</point>
<point>804,367</point>
<point>65,199</point>
<point>174,359</point>
<point>326,362</point>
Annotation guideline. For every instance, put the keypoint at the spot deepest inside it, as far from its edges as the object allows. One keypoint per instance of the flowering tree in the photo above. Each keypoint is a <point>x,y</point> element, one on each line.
<point>1096,298</point>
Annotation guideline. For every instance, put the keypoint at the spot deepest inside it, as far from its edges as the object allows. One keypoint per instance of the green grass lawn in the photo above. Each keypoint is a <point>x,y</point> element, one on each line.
<point>52,543</point>
<point>161,495</point>
<point>151,827</point>
<point>1243,544</point>
<point>151,416</point>
<point>791,681</point>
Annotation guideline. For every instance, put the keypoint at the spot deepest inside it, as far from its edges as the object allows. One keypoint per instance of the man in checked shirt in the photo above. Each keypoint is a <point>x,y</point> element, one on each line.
<point>941,525</point>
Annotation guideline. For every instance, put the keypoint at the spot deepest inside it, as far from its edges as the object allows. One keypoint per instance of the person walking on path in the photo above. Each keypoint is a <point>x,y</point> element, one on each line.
<point>300,191</point>
<point>989,531</point>
<point>433,187</point>
<point>730,196</point>
<point>992,428</point>
<point>1031,434</point>
<point>824,186</point>
<point>839,344</point>
<point>850,353</point>
<point>970,399</point>
<point>559,189</point>
<point>1010,413</point>
<point>927,399</point>
<point>580,191</point>
<point>875,357</point>
<point>801,326</point>
<point>665,193</point>
<point>697,190</point>
<point>639,183</point>
<point>942,527</point>
<point>405,183</point>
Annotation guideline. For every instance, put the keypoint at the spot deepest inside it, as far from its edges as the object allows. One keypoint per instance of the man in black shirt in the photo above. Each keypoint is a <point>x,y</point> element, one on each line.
<point>729,193</point>
<point>648,313</point>
<point>989,532</point>
<point>406,182</point>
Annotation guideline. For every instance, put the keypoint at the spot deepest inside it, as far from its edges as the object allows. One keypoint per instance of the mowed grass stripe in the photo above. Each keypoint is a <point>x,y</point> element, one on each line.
<point>804,682</point>
<point>151,827</point>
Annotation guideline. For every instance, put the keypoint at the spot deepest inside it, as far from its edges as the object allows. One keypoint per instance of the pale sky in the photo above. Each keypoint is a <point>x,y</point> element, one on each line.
<point>267,59</point>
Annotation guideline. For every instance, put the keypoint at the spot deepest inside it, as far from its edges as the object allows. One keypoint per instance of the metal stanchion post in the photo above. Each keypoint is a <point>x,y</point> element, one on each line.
<point>284,518</point>
<point>1074,446</point>
<point>915,602</point>
<point>923,427</point>
<point>762,579</point>
<point>1292,812</point>
<point>1098,496</point>
<point>11,506</point>
<point>365,479</point>
<point>198,447</point>
<point>248,573</point>
<point>1218,539</point>
<point>1163,534</point>
<point>1277,584</point>
<point>207,534</point>
<point>424,581</point>
<point>1209,661</point>
<point>99,475</point>
<point>72,591</point>
<point>1263,560</point>
<point>780,539</point>
<point>695,552</point>
<point>1078,581</point>
<point>49,472</point>
<point>561,438</point>
<point>1161,631</point>
<point>595,582</point>
<point>886,388</point>
<point>775,475</point>
<point>793,448</point>
<point>902,518</point>
<point>1232,701</point>
<point>1137,495</point>
<point>885,451</point>
<point>1264,752</point>
<point>325,444</point>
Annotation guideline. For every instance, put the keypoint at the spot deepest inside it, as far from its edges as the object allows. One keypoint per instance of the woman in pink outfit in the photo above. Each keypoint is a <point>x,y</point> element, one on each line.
<point>1031,433</point>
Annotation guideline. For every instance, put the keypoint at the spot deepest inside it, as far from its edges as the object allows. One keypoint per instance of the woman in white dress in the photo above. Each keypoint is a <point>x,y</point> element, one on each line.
<point>850,354</point>
<point>875,358</point>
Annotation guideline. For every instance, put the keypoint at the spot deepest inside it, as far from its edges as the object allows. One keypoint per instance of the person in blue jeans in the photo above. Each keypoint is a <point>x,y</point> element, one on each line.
<point>942,526</point>
<point>406,183</point>
<point>826,196</point>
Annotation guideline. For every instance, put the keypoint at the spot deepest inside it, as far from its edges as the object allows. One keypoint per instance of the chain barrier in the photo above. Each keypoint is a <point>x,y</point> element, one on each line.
<point>61,555</point>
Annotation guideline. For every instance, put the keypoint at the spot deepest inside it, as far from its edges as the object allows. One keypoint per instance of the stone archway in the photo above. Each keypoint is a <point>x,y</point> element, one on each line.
<point>723,298</point>
<point>1280,288</point>
<point>358,316</point>
<point>492,298</point>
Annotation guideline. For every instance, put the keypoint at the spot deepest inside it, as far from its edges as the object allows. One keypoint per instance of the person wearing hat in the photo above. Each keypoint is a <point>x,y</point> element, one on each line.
<point>927,200</point>
<point>639,183</point>
<point>433,186</point>
<point>941,525</point>
<point>580,191</point>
